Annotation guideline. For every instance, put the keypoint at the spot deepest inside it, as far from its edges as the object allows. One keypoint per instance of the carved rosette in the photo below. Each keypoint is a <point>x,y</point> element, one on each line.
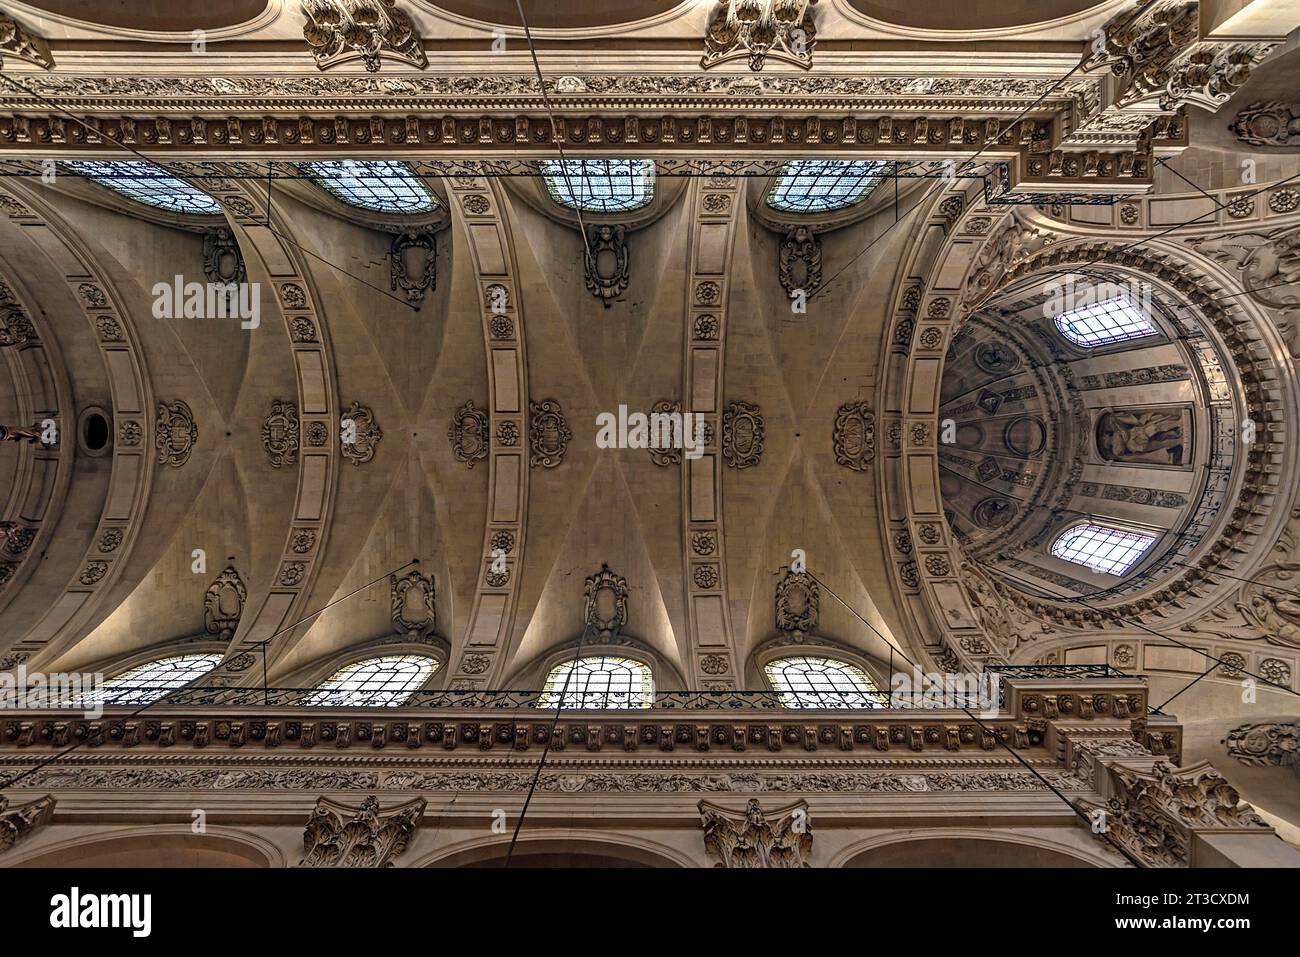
<point>606,262</point>
<point>742,435</point>
<point>800,266</point>
<point>854,435</point>
<point>223,604</point>
<point>548,434</point>
<point>468,434</point>
<point>175,433</point>
<point>359,440</point>
<point>412,597</point>
<point>413,259</point>
<point>20,821</point>
<point>280,434</point>
<point>797,601</point>
<point>339,835</point>
<point>341,30</point>
<point>752,839</point>
<point>605,600</point>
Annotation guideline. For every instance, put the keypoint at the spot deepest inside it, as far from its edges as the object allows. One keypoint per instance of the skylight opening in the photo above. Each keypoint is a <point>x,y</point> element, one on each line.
<point>818,186</point>
<point>146,183</point>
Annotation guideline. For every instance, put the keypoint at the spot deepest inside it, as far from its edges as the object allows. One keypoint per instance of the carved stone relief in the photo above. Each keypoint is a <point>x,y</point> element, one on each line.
<point>15,40</point>
<point>854,436</point>
<point>742,435</point>
<point>340,30</point>
<point>665,455</point>
<point>1268,124</point>
<point>742,28</point>
<point>606,262</point>
<point>280,433</point>
<point>605,602</point>
<point>797,601</point>
<point>413,260</point>
<point>223,604</point>
<point>469,434</point>
<point>175,433</point>
<point>358,441</point>
<point>412,597</point>
<point>752,839</point>
<point>223,263</point>
<point>21,820</point>
<point>339,835</point>
<point>800,265</point>
<point>1268,744</point>
<point>1155,813</point>
<point>1150,436</point>
<point>548,434</point>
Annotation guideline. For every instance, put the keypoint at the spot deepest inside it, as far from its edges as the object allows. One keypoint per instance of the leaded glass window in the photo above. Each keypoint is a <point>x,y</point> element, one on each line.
<point>1101,548</point>
<point>147,683</point>
<point>601,186</point>
<point>385,186</point>
<point>146,183</point>
<point>813,682</point>
<point>818,186</point>
<point>599,682</point>
<point>374,682</point>
<point>1112,320</point>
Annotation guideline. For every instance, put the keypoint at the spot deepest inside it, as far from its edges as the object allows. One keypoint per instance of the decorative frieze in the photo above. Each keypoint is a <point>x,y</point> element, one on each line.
<point>339,835</point>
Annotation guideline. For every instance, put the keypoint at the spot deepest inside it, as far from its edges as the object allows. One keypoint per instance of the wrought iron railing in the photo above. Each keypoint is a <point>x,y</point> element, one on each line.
<point>957,693</point>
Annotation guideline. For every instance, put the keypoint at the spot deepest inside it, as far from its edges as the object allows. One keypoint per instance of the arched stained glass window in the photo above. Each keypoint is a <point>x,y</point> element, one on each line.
<point>1101,548</point>
<point>385,186</point>
<point>602,186</point>
<point>374,682</point>
<point>811,682</point>
<point>599,682</point>
<point>147,683</point>
<point>145,183</point>
<point>1112,320</point>
<point>817,186</point>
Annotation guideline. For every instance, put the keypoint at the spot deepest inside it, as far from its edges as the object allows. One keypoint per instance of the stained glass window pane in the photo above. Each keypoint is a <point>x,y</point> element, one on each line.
<point>808,682</point>
<point>603,186</point>
<point>374,682</point>
<point>1112,320</point>
<point>145,183</point>
<point>382,185</point>
<point>599,682</point>
<point>1103,549</point>
<point>816,186</point>
<point>147,683</point>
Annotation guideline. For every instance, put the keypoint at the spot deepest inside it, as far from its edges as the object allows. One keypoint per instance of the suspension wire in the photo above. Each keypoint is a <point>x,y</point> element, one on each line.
<point>999,738</point>
<point>95,736</point>
<point>555,133</point>
<point>1204,674</point>
<point>546,751</point>
<point>180,175</point>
